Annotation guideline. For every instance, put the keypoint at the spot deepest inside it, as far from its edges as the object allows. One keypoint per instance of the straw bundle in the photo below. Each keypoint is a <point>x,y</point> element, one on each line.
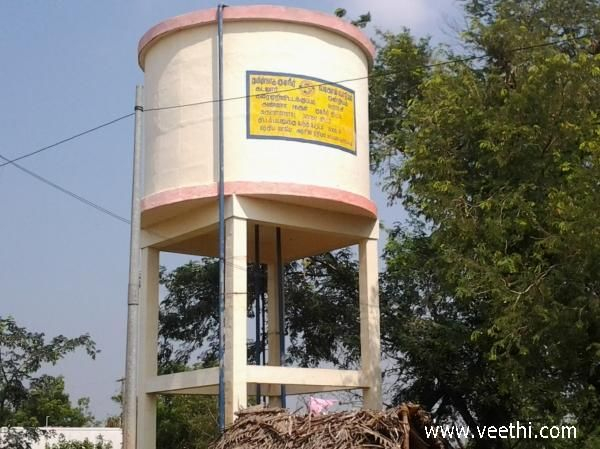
<point>273,428</point>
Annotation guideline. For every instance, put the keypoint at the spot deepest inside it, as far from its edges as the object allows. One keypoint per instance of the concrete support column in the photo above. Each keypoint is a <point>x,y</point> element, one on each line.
<point>369,323</point>
<point>274,328</point>
<point>236,299</point>
<point>148,348</point>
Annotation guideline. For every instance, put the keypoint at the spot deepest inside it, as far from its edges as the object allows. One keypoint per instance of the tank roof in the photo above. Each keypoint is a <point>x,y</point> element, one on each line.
<point>257,13</point>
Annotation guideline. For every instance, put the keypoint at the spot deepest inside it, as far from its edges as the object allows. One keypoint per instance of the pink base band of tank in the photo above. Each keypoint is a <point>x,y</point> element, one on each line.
<point>259,188</point>
<point>255,13</point>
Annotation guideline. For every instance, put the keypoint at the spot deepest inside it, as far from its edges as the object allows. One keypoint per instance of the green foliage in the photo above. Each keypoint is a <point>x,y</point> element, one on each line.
<point>362,21</point>
<point>340,12</point>
<point>85,444</point>
<point>395,81</point>
<point>189,319</point>
<point>115,420</point>
<point>492,293</point>
<point>312,287</point>
<point>188,329</point>
<point>46,397</point>
<point>21,438</point>
<point>189,324</point>
<point>26,398</point>
<point>186,422</point>
<point>322,314</point>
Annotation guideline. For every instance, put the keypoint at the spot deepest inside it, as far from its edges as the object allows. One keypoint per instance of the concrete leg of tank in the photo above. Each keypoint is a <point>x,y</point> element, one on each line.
<point>369,323</point>
<point>147,355</point>
<point>273,322</point>
<point>235,317</point>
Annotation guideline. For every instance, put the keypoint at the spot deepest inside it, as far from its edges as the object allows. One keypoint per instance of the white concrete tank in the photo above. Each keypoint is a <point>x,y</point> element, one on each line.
<point>295,111</point>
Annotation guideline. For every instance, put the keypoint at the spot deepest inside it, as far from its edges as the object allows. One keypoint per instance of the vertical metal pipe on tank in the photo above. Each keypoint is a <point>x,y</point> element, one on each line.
<point>257,296</point>
<point>281,311</point>
<point>263,312</point>
<point>221,224</point>
<point>133,296</point>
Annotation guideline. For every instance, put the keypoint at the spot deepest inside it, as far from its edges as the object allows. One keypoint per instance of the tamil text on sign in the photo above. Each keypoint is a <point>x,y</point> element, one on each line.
<point>293,107</point>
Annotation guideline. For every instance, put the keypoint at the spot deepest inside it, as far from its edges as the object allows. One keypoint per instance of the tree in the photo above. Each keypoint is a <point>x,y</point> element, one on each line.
<point>46,398</point>
<point>189,324</point>
<point>25,396</point>
<point>188,319</point>
<point>362,21</point>
<point>115,420</point>
<point>85,444</point>
<point>492,290</point>
<point>186,422</point>
<point>322,310</point>
<point>313,287</point>
<point>183,421</point>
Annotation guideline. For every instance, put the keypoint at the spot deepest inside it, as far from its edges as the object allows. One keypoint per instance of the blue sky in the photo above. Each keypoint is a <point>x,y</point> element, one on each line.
<point>68,65</point>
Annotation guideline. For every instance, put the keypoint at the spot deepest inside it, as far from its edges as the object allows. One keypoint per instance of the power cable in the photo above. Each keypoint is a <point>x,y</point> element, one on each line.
<point>73,137</point>
<point>91,203</point>
<point>65,191</point>
<point>123,117</point>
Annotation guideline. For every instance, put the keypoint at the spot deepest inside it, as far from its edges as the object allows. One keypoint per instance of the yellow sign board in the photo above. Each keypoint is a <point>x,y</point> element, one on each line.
<point>293,107</point>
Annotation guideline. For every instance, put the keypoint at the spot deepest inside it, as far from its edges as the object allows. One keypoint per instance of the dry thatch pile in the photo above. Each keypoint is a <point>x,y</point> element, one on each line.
<point>273,428</point>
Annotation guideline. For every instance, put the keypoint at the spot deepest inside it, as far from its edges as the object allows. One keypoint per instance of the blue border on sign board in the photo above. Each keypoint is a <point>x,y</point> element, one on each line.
<point>249,73</point>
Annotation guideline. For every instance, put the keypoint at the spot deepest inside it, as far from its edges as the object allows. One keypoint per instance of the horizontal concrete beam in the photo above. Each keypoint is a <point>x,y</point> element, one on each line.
<point>299,217</point>
<point>266,390</point>
<point>314,377</point>
<point>203,219</point>
<point>182,381</point>
<point>180,227</point>
<point>297,380</point>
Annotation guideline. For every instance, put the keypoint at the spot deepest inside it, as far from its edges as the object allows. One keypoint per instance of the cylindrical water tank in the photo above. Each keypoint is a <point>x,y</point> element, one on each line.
<point>295,110</point>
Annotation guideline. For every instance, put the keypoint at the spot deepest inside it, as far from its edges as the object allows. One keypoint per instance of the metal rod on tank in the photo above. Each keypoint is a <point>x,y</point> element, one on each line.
<point>281,311</point>
<point>133,290</point>
<point>221,225</point>
<point>263,318</point>
<point>257,296</point>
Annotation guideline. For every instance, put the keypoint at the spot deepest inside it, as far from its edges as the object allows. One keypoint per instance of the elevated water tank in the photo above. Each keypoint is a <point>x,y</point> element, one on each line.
<point>296,166</point>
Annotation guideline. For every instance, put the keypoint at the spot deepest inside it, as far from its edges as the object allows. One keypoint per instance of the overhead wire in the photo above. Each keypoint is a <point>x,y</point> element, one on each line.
<point>66,191</point>
<point>108,212</point>
<point>68,139</point>
<point>92,204</point>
